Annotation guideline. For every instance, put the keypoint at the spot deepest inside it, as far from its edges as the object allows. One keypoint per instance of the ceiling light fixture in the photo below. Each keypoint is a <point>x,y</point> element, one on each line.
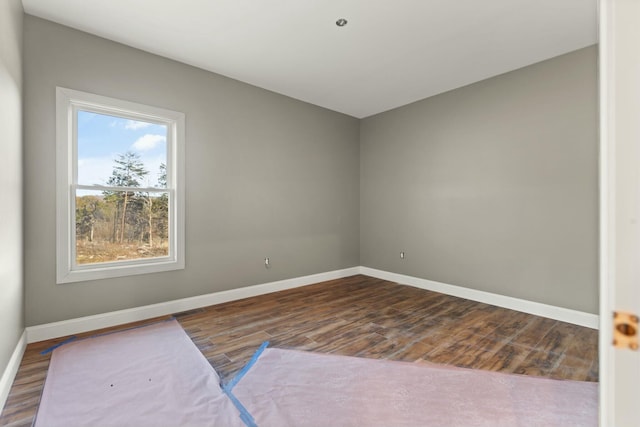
<point>341,22</point>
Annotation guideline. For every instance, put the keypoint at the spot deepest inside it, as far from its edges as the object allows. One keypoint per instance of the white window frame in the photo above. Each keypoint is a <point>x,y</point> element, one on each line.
<point>68,102</point>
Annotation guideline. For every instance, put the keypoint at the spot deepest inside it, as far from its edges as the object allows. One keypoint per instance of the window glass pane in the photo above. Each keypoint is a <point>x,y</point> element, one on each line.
<point>121,225</point>
<point>120,152</point>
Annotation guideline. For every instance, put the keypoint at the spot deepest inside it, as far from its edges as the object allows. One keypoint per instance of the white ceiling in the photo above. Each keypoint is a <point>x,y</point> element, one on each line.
<point>391,52</point>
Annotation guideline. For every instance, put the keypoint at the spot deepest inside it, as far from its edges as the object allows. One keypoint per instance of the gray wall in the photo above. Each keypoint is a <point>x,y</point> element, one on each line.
<point>11,289</point>
<point>266,176</point>
<point>492,186</point>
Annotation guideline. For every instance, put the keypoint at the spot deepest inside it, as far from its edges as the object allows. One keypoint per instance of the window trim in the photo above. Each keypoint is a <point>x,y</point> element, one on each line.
<point>68,101</point>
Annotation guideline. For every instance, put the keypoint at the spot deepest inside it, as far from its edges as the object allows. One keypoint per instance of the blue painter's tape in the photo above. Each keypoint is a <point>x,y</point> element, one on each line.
<point>231,384</point>
<point>245,416</point>
<point>53,347</point>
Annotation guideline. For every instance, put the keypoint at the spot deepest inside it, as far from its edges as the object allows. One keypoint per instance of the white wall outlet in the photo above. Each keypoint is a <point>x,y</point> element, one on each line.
<point>402,255</point>
<point>266,262</point>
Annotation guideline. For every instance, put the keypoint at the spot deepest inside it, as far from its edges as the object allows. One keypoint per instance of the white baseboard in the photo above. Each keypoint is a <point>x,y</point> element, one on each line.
<point>12,369</point>
<point>114,318</point>
<point>552,312</point>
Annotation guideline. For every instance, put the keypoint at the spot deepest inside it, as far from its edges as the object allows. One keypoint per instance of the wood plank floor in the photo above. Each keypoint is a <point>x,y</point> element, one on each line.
<point>359,316</point>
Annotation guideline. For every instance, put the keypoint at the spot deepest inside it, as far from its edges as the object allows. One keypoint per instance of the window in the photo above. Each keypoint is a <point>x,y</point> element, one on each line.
<point>120,188</point>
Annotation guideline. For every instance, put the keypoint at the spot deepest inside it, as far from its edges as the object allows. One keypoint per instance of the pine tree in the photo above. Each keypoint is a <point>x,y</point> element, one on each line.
<point>128,171</point>
<point>161,206</point>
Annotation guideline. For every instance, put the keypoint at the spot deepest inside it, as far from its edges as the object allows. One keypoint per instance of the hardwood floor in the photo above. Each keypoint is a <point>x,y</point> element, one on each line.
<point>359,316</point>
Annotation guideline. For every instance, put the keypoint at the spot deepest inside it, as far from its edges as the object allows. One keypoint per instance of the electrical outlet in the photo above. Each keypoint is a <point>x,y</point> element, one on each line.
<point>402,255</point>
<point>266,262</point>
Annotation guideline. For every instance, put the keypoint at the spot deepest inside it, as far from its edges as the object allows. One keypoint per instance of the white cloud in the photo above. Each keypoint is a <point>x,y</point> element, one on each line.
<point>135,125</point>
<point>95,170</point>
<point>148,142</point>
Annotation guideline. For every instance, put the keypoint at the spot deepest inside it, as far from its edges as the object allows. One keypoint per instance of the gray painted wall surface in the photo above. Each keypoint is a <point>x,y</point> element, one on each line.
<point>492,186</point>
<point>11,285</point>
<point>266,176</point>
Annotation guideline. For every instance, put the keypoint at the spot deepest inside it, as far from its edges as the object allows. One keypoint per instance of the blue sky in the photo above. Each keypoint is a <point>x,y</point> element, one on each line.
<point>101,138</point>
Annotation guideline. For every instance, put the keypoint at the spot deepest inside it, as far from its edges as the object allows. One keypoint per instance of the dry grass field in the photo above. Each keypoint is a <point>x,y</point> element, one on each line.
<point>93,252</point>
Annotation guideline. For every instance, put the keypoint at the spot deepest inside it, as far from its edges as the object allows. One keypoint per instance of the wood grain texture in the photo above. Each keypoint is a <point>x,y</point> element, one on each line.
<point>359,316</point>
